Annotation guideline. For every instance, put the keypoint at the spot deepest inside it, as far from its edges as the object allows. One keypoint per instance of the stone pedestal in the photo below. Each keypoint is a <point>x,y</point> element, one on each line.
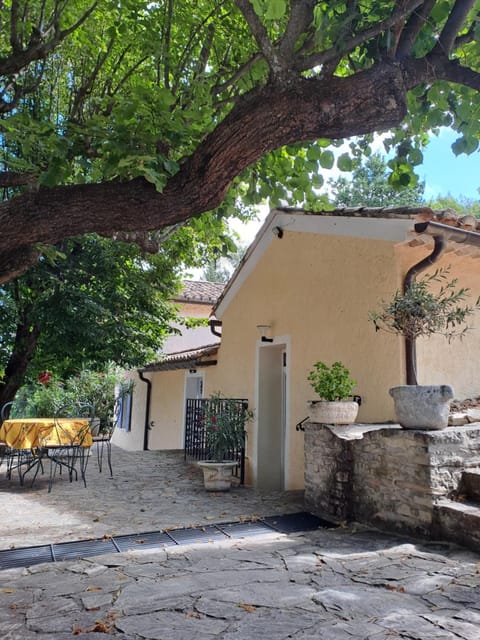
<point>384,475</point>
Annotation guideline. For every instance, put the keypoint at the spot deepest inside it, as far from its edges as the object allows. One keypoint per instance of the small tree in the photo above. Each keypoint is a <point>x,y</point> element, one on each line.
<point>419,311</point>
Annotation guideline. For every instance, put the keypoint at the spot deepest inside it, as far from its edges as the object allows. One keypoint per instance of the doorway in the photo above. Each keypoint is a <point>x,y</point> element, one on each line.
<point>272,417</point>
<point>194,383</point>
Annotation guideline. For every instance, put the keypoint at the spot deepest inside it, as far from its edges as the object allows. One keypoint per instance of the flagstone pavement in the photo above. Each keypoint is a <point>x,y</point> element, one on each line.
<point>340,583</point>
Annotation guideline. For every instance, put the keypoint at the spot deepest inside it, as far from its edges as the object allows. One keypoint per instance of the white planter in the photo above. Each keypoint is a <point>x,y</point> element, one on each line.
<point>341,412</point>
<point>217,476</point>
<point>422,407</point>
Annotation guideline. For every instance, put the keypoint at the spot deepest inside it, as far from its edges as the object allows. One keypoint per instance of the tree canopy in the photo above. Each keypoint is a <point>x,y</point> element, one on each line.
<point>101,302</point>
<point>123,117</point>
<point>369,186</point>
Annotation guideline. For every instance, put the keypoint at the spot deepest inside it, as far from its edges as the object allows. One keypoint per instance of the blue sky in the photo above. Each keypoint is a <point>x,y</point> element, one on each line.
<point>444,172</point>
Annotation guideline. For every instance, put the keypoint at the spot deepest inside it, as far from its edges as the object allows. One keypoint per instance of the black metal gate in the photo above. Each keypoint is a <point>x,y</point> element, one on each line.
<point>195,434</point>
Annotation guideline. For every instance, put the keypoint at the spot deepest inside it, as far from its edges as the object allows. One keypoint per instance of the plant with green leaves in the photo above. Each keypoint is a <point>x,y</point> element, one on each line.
<point>422,311</point>
<point>41,400</point>
<point>333,383</point>
<point>126,118</point>
<point>98,388</point>
<point>225,423</point>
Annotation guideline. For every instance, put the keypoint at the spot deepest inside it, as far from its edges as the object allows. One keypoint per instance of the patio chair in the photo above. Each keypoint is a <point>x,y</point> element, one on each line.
<point>68,447</point>
<point>102,438</point>
<point>4,448</point>
<point>19,459</point>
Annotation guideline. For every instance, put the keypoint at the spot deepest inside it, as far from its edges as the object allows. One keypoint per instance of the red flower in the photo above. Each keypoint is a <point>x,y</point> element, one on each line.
<point>44,377</point>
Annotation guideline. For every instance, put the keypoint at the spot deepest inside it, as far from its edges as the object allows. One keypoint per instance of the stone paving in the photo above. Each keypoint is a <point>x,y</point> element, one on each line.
<point>339,583</point>
<point>150,490</point>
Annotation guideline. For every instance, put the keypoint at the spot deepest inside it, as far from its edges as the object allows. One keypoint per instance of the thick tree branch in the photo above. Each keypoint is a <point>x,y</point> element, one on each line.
<point>455,22</point>
<point>316,59</point>
<point>439,67</point>
<point>25,343</point>
<point>10,179</point>
<point>301,16</point>
<point>245,68</point>
<point>260,122</point>
<point>260,34</point>
<point>413,27</point>
<point>38,46</point>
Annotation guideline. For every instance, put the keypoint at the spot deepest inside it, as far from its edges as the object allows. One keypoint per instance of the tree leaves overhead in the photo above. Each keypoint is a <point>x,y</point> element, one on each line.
<point>133,116</point>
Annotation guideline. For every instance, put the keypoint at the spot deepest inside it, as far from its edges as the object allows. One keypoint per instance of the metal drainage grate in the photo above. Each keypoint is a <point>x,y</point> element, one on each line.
<point>25,557</point>
<point>83,548</point>
<point>29,556</point>
<point>151,540</point>
<point>245,529</point>
<point>210,533</point>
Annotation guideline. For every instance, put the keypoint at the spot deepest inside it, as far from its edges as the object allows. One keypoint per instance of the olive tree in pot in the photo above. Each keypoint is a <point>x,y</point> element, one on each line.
<point>417,312</point>
<point>225,422</point>
<point>334,386</point>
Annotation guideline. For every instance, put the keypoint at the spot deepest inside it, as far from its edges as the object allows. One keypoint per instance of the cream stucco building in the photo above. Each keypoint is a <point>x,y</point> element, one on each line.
<point>308,283</point>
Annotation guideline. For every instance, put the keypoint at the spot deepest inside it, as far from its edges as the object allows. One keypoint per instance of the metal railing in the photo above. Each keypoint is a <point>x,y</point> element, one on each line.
<point>195,446</point>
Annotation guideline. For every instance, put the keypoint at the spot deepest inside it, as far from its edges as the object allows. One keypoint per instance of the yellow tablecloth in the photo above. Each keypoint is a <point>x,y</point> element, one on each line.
<point>30,433</point>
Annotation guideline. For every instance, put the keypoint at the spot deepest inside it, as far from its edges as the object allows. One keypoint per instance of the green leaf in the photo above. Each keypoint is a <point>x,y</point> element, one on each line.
<point>314,152</point>
<point>415,156</point>
<point>465,144</point>
<point>317,180</point>
<point>275,9</point>
<point>441,10</point>
<point>344,162</point>
<point>327,160</point>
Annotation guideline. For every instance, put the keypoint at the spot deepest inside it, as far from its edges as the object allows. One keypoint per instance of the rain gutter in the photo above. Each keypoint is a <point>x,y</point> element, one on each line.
<point>441,234</point>
<point>146,427</point>
<point>213,323</point>
<point>449,233</point>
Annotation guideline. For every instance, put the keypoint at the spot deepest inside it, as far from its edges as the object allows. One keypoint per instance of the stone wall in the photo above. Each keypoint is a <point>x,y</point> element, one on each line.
<point>385,475</point>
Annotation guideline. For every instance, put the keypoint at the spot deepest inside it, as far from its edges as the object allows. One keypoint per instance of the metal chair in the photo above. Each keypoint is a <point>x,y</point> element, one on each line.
<point>102,438</point>
<point>4,448</point>
<point>69,450</point>
<point>20,459</point>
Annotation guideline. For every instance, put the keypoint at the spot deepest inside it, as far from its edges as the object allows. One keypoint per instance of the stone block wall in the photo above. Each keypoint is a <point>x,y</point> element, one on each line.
<point>385,475</point>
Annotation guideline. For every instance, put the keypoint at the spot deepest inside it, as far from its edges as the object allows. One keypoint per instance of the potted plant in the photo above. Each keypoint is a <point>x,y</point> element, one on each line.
<point>421,311</point>
<point>333,385</point>
<point>224,421</point>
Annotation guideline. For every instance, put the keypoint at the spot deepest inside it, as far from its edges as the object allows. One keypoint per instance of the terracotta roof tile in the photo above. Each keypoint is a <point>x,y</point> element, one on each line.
<point>199,291</point>
<point>183,359</point>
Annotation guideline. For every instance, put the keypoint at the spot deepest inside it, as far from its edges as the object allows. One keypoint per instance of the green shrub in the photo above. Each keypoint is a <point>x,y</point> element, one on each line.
<point>98,388</point>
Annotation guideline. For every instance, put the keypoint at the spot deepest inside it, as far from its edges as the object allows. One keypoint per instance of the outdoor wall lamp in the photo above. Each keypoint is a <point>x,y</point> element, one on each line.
<point>263,330</point>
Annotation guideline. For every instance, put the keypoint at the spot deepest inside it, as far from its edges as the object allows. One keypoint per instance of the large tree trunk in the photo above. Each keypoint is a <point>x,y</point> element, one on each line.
<point>25,343</point>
